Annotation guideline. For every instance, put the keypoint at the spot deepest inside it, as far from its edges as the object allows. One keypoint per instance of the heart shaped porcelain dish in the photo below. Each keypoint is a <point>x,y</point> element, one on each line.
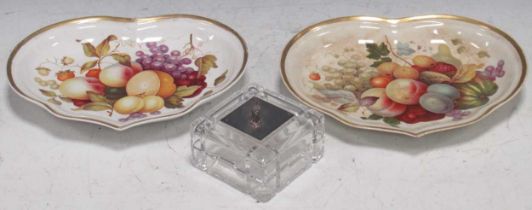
<point>412,76</point>
<point>122,72</point>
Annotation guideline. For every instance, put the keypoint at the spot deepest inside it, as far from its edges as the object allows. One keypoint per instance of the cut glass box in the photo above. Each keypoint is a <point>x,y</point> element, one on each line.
<point>257,141</point>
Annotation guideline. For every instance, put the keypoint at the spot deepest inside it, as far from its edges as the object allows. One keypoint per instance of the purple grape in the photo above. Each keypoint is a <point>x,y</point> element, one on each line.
<point>173,59</point>
<point>157,64</point>
<point>186,61</point>
<point>159,58</point>
<point>139,53</point>
<point>163,48</point>
<point>486,75</point>
<point>500,63</point>
<point>189,70</point>
<point>166,56</point>
<point>490,69</point>
<point>501,73</point>
<point>183,76</point>
<point>158,54</point>
<point>153,50</point>
<point>169,66</point>
<point>175,74</point>
<point>175,53</point>
<point>151,44</point>
<point>147,60</point>
<point>138,60</point>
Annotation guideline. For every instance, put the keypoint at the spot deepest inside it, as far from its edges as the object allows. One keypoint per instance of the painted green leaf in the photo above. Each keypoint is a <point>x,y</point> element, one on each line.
<point>376,51</point>
<point>103,48</point>
<point>205,63</point>
<point>95,106</point>
<point>432,77</point>
<point>185,91</point>
<point>220,78</point>
<point>208,93</point>
<point>48,93</point>
<point>95,97</point>
<point>391,121</point>
<point>173,102</point>
<point>374,117</point>
<point>122,58</point>
<point>483,54</point>
<point>65,99</point>
<point>54,101</point>
<point>89,49</point>
<point>88,65</point>
<point>348,107</point>
<point>456,41</point>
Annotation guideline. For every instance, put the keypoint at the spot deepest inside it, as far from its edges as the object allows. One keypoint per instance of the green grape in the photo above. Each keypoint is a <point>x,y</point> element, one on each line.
<point>339,82</point>
<point>342,62</point>
<point>350,88</point>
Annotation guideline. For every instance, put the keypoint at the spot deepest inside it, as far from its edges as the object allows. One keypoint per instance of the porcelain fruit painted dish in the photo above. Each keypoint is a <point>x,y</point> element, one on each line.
<point>122,72</point>
<point>412,76</point>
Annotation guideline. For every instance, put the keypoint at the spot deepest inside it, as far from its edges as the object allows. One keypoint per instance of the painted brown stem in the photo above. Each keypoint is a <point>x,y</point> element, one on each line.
<point>393,53</point>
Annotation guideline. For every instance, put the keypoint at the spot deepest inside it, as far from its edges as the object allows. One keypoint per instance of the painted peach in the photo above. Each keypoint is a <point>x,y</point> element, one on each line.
<point>406,72</point>
<point>406,91</point>
<point>136,66</point>
<point>117,75</point>
<point>387,68</point>
<point>145,83</point>
<point>383,106</point>
<point>77,87</point>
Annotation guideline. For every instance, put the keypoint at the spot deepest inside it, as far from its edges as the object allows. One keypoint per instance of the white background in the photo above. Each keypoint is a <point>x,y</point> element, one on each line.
<point>49,163</point>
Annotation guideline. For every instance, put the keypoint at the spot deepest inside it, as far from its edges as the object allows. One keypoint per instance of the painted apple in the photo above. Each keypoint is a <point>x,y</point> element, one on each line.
<point>406,91</point>
<point>382,106</point>
<point>145,83</point>
<point>77,87</point>
<point>117,75</point>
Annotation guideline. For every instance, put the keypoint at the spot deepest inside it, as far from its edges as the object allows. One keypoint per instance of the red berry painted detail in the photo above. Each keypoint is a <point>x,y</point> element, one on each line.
<point>444,68</point>
<point>419,68</point>
<point>415,114</point>
<point>80,103</point>
<point>191,79</point>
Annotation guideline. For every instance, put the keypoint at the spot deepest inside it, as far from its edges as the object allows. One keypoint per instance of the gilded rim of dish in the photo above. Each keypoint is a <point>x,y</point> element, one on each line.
<point>396,21</point>
<point>203,98</point>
